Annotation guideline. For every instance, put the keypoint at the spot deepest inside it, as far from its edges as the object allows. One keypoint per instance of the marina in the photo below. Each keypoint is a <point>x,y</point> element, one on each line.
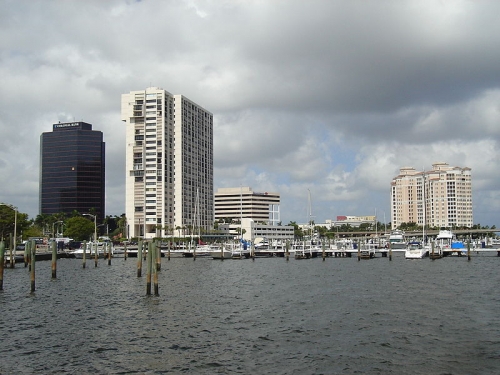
<point>363,250</point>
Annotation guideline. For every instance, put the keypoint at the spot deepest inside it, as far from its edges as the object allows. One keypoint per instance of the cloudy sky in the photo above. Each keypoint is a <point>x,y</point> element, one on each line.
<point>331,97</point>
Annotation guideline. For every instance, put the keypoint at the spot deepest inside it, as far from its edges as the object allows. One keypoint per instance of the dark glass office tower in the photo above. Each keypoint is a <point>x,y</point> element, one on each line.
<point>72,170</point>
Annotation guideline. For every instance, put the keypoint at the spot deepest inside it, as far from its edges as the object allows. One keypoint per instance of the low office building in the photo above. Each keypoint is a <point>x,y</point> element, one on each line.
<point>255,232</point>
<point>232,204</point>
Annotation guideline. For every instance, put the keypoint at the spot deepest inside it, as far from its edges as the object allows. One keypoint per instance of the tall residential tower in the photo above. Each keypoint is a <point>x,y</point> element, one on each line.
<point>169,163</point>
<point>72,170</point>
<point>441,197</point>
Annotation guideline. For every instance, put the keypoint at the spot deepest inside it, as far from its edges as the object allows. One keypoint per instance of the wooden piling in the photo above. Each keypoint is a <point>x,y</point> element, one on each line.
<point>53,246</point>
<point>359,251</point>
<point>12,251</point>
<point>432,251</point>
<point>33,260</point>
<point>157,247</point>
<point>168,251</point>
<point>26,254</point>
<point>287,250</point>
<point>149,262</point>
<point>84,258</point>
<point>96,255</point>
<point>139,259</point>
<point>27,248</point>
<point>390,250</point>
<point>323,249</point>
<point>125,250</point>
<point>2,260</point>
<point>468,250</point>
<point>109,253</point>
<point>156,253</point>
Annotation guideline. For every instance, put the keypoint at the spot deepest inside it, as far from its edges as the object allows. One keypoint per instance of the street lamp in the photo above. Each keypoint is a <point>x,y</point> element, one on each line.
<point>53,230</point>
<point>95,225</point>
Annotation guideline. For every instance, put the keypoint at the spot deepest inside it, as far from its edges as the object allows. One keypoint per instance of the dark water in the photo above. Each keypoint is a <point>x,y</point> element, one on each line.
<point>266,316</point>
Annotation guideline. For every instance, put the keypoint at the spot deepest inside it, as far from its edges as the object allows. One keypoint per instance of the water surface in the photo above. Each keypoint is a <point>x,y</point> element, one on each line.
<point>267,316</point>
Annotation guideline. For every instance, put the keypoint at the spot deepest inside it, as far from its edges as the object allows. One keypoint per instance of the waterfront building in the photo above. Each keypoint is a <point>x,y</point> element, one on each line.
<point>441,197</point>
<point>353,221</point>
<point>243,202</point>
<point>253,231</point>
<point>72,170</point>
<point>169,164</point>
<point>256,214</point>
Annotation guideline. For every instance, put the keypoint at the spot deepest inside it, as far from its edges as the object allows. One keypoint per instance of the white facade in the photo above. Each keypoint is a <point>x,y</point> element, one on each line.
<point>243,202</point>
<point>254,231</point>
<point>446,191</point>
<point>169,163</point>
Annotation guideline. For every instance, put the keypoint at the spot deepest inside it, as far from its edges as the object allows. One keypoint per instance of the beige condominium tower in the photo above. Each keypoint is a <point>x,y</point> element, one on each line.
<point>441,197</point>
<point>169,164</point>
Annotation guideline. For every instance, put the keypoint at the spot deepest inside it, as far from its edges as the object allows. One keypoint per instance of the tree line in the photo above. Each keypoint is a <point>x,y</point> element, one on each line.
<point>81,228</point>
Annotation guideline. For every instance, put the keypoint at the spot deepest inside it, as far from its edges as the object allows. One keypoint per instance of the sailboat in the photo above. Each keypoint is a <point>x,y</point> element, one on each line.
<point>416,249</point>
<point>306,251</point>
<point>200,249</point>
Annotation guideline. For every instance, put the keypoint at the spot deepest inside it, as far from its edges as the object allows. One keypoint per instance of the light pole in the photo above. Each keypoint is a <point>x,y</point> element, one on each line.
<point>53,230</point>
<point>95,225</point>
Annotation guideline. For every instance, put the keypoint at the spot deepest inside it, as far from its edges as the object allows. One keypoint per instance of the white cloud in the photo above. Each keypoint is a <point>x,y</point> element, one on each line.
<point>330,96</point>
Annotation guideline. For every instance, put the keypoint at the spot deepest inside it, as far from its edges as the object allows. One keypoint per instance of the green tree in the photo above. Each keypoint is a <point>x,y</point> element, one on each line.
<point>79,228</point>
<point>32,231</point>
<point>8,218</point>
<point>297,231</point>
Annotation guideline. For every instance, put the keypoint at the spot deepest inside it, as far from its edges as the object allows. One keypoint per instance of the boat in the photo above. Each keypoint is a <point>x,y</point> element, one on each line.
<point>366,250</point>
<point>442,244</point>
<point>221,253</point>
<point>263,249</point>
<point>397,239</point>
<point>102,250</point>
<point>303,251</point>
<point>415,250</point>
<point>448,244</point>
<point>495,243</point>
<point>201,249</point>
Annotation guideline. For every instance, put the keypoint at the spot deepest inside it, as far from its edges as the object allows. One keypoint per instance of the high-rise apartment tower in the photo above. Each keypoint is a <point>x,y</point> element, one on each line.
<point>72,170</point>
<point>169,164</point>
<point>441,197</point>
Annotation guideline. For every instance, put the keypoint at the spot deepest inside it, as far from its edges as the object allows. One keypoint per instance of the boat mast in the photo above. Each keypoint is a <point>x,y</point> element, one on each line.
<point>424,207</point>
<point>310,215</point>
<point>241,215</point>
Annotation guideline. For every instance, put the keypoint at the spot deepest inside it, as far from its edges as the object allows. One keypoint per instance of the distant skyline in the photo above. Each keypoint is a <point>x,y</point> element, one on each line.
<point>332,96</point>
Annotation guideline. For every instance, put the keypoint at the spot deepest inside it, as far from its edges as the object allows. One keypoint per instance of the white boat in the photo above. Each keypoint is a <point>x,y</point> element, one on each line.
<point>302,251</point>
<point>397,239</point>
<point>495,243</point>
<point>415,250</point>
<point>103,248</point>
<point>442,244</point>
<point>221,253</point>
<point>447,243</point>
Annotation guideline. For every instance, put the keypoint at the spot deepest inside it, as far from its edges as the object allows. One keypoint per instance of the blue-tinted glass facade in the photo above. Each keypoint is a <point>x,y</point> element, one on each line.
<point>72,170</point>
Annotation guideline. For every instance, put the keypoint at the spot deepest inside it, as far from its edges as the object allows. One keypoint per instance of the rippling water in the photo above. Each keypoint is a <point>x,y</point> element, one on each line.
<point>267,316</point>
